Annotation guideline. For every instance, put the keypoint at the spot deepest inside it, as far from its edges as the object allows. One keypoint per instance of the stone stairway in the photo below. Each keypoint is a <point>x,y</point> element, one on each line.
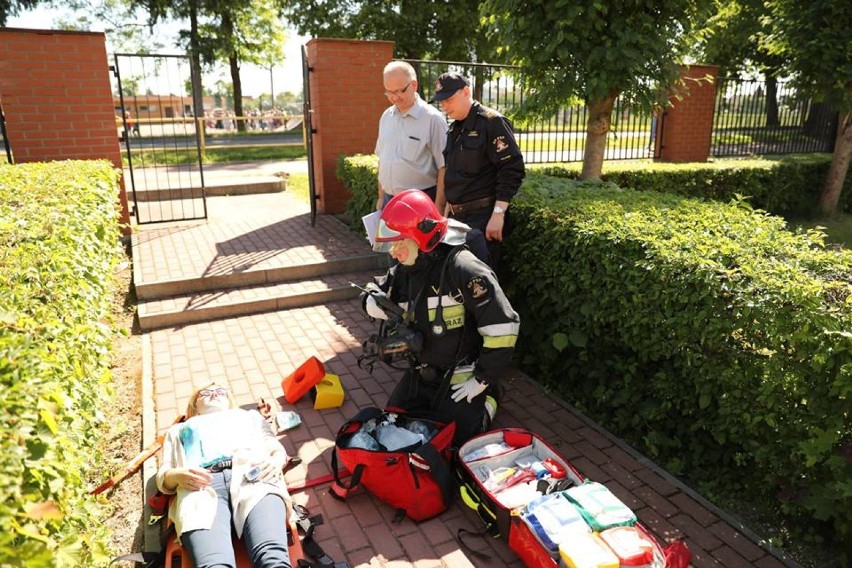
<point>256,252</point>
<point>180,302</point>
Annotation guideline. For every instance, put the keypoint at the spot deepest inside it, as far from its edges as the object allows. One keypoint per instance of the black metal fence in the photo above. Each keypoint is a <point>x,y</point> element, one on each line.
<point>769,117</point>
<point>560,138</point>
<point>162,148</point>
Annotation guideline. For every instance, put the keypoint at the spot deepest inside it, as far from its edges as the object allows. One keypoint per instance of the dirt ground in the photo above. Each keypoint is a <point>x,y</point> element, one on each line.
<point>123,434</point>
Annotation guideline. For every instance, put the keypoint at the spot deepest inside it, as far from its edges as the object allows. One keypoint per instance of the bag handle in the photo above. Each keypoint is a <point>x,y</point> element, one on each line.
<point>440,470</point>
<point>354,480</point>
<point>363,415</point>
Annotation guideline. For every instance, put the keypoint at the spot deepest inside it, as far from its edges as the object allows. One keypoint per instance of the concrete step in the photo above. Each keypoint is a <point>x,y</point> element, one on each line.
<point>211,305</point>
<point>373,262</point>
<point>245,186</point>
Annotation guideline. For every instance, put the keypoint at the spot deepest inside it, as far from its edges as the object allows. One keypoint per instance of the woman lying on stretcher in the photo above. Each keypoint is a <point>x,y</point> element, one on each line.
<point>224,465</point>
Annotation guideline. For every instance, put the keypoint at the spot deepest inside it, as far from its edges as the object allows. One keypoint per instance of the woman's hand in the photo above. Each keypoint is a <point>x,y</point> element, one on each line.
<point>271,467</point>
<point>189,478</point>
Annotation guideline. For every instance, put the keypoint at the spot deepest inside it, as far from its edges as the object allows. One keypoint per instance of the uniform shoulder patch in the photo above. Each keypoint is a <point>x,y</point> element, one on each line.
<point>478,287</point>
<point>500,144</point>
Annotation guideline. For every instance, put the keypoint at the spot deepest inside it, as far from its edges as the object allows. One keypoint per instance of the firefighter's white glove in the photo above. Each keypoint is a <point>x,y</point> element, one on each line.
<point>470,389</point>
<point>373,310</point>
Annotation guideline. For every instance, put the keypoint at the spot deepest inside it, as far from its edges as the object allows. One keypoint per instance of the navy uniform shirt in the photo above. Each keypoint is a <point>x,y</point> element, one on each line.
<point>482,158</point>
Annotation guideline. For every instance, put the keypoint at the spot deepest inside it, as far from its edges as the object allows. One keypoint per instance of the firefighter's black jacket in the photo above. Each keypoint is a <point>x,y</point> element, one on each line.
<point>477,320</point>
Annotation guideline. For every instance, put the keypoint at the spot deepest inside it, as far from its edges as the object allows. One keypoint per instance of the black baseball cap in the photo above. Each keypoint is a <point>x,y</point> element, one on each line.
<point>447,84</point>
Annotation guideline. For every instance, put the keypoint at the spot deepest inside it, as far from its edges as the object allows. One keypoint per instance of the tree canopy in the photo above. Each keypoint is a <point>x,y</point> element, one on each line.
<point>421,30</point>
<point>10,8</point>
<point>816,38</point>
<point>597,49</point>
<point>736,38</point>
<point>232,31</point>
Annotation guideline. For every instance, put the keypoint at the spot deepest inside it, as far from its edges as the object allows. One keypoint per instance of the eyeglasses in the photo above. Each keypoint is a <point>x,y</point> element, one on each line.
<point>210,392</point>
<point>398,92</point>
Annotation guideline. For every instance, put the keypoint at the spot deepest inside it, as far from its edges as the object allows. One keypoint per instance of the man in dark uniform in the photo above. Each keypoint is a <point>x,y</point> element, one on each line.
<point>455,304</point>
<point>485,167</point>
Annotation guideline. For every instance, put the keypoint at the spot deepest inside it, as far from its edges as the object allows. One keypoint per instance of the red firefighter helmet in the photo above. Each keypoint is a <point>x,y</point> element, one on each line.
<point>412,215</point>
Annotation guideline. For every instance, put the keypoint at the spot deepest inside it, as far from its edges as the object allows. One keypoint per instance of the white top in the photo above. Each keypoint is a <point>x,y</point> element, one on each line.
<point>410,147</point>
<point>242,434</point>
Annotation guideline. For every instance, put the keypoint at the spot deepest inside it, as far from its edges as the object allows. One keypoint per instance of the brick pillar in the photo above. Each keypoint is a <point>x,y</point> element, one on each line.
<point>56,95</point>
<point>346,101</point>
<point>684,130</point>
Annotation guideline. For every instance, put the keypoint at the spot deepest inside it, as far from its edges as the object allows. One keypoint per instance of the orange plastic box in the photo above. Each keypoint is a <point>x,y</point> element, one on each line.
<point>302,379</point>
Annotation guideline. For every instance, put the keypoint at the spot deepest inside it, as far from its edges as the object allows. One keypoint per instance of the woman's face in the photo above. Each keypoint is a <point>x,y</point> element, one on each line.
<point>212,399</point>
<point>405,251</point>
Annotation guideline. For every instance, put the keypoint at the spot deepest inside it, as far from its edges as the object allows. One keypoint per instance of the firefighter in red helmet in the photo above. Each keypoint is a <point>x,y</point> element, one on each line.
<point>450,300</point>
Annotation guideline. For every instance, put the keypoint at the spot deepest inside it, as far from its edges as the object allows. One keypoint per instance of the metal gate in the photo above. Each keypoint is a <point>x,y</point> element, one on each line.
<point>309,132</point>
<point>161,136</point>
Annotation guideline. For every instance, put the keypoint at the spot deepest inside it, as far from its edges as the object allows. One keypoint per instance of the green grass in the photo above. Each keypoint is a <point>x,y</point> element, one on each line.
<point>766,136</point>
<point>215,155</point>
<point>838,229</point>
<point>576,141</point>
<point>297,185</point>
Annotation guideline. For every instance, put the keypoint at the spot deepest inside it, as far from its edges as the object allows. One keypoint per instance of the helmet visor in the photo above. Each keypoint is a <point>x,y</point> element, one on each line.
<point>385,237</point>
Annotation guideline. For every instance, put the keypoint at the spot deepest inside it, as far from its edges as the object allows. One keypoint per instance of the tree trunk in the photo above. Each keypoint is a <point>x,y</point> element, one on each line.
<point>772,120</point>
<point>195,69</point>
<point>238,90</point>
<point>600,117</point>
<point>833,187</point>
<point>234,64</point>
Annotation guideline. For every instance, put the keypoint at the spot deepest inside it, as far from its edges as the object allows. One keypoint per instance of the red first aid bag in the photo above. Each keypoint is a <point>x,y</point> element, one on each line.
<point>415,479</point>
<point>534,499</point>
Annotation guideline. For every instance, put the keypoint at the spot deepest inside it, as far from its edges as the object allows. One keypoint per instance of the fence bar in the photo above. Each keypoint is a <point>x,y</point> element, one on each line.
<point>742,127</point>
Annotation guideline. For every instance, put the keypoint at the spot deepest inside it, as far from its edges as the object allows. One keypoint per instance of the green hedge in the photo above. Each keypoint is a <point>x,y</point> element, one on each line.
<point>360,176</point>
<point>789,186</point>
<point>705,333</point>
<point>59,243</point>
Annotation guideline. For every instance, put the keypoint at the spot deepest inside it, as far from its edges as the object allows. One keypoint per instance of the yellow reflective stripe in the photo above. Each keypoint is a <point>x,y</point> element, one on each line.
<point>511,328</point>
<point>499,342</point>
<point>449,313</point>
<point>468,497</point>
<point>460,377</point>
<point>446,300</point>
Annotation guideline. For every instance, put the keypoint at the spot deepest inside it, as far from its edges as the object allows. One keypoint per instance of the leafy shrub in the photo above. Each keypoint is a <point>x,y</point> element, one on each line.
<point>705,333</point>
<point>787,186</point>
<point>59,242</point>
<point>359,175</point>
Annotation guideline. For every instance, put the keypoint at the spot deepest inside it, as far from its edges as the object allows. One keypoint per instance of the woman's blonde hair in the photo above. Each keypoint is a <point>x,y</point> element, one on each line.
<point>190,407</point>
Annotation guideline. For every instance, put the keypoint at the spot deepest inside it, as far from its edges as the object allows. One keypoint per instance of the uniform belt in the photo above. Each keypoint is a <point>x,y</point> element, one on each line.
<point>470,206</point>
<point>219,466</point>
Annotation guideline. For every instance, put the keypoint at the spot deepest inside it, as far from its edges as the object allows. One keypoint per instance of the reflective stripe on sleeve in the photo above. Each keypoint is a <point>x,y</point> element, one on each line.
<point>499,335</point>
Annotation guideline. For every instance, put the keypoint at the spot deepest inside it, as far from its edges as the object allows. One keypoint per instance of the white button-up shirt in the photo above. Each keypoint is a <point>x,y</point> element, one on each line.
<point>410,147</point>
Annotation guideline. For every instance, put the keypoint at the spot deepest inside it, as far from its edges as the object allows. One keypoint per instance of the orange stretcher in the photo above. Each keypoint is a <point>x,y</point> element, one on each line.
<point>175,551</point>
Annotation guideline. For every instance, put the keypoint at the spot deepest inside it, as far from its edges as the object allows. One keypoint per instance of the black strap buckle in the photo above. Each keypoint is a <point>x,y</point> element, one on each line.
<point>220,465</point>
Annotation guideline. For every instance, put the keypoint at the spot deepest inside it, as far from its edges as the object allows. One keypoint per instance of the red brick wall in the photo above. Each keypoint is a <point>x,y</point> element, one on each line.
<point>56,95</point>
<point>683,133</point>
<point>347,100</point>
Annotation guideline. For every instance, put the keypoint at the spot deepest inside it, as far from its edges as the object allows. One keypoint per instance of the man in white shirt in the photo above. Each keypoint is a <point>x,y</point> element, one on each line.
<point>412,135</point>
